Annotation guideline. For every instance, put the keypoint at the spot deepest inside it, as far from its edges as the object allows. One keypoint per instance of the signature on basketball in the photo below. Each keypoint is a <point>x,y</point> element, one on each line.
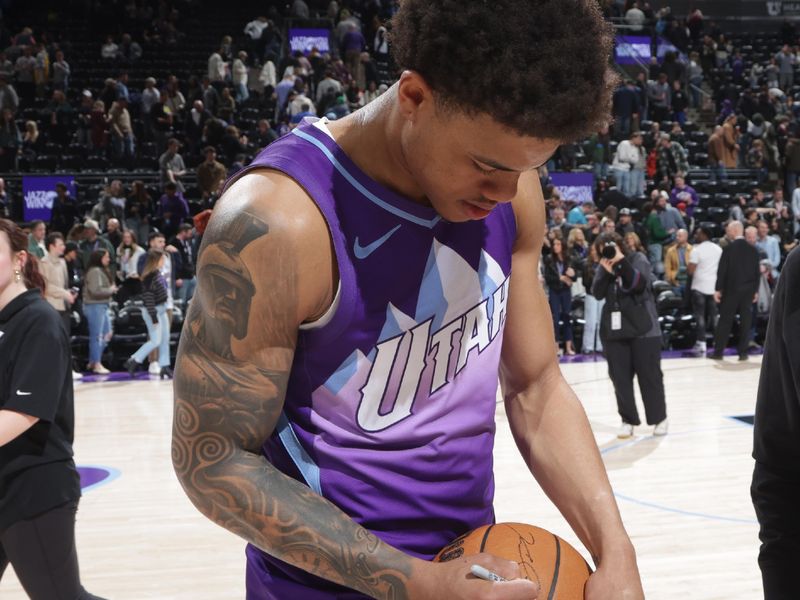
<point>525,546</point>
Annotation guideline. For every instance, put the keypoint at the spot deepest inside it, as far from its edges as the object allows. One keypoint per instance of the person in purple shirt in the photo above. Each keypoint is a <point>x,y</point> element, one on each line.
<point>683,192</point>
<point>353,44</point>
<point>172,209</point>
<point>337,379</point>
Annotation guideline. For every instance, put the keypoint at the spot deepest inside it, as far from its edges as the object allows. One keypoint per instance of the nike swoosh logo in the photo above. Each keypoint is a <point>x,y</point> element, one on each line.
<point>23,393</point>
<point>363,252</point>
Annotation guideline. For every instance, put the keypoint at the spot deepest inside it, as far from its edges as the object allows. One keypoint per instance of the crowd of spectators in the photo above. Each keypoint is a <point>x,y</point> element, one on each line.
<point>677,194</point>
<point>661,181</point>
<point>193,132</point>
<point>251,91</point>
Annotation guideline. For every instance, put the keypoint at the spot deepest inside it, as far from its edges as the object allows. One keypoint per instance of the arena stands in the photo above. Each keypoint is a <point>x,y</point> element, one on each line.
<point>118,100</point>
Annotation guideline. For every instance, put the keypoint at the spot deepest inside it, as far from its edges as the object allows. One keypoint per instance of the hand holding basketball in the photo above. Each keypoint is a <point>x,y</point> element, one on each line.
<point>453,579</point>
<point>617,578</point>
<point>551,565</point>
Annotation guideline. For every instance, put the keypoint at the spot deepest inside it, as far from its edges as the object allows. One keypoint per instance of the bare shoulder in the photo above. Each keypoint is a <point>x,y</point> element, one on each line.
<point>279,234</point>
<point>530,213</point>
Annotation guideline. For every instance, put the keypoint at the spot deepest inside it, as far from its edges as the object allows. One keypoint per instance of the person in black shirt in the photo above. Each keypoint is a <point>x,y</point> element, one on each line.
<point>39,484</point>
<point>776,478</point>
<point>185,272</point>
<point>65,211</point>
<point>624,283</point>
<point>738,277</point>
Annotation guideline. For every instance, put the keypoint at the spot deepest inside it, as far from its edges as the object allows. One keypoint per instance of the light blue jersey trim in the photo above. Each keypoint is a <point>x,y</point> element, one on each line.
<point>429,223</point>
<point>307,467</point>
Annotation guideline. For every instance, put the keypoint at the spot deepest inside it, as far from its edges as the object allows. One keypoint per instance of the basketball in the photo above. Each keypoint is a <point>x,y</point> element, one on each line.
<point>543,557</point>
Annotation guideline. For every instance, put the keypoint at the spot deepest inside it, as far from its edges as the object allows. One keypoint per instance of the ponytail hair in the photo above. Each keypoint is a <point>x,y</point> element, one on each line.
<point>32,275</point>
<point>19,243</point>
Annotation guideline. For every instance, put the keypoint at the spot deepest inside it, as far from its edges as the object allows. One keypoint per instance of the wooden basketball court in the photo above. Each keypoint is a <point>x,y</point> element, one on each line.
<point>684,497</point>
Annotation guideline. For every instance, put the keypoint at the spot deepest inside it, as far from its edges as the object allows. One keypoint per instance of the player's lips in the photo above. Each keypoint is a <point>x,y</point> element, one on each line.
<point>487,206</point>
<point>479,210</point>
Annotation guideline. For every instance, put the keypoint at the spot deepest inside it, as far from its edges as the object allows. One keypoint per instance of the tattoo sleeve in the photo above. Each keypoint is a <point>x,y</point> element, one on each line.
<point>230,383</point>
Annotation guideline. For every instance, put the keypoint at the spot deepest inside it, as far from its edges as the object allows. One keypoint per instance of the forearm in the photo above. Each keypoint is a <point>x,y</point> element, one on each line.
<point>555,439</point>
<point>241,491</point>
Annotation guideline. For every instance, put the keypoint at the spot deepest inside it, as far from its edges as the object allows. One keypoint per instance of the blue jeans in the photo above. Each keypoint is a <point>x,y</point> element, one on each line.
<point>560,305</point>
<point>655,253</point>
<point>123,146</point>
<point>719,172</point>
<point>635,183</point>
<point>622,127</point>
<point>592,308</point>
<point>156,333</point>
<point>600,170</point>
<point>139,228</point>
<point>186,291</point>
<point>694,92</point>
<point>791,183</point>
<point>242,93</point>
<point>622,178</point>
<point>680,117</point>
<point>99,329</point>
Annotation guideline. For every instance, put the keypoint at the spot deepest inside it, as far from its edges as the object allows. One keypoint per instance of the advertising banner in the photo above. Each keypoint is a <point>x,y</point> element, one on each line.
<point>306,39</point>
<point>38,193</point>
<point>632,49</point>
<point>783,9</point>
<point>574,187</point>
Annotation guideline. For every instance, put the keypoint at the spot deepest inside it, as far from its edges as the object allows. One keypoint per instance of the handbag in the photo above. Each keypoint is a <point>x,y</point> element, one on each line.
<point>630,313</point>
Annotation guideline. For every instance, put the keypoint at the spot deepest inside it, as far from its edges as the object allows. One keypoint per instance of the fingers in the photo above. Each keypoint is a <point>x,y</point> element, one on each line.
<point>507,569</point>
<point>515,588</point>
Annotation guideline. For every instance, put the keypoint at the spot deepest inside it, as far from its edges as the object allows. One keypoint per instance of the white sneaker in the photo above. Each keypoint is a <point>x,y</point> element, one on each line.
<point>99,369</point>
<point>625,431</point>
<point>154,369</point>
<point>76,376</point>
<point>661,428</point>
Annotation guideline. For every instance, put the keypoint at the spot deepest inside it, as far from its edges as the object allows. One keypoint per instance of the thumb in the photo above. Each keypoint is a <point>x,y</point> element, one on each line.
<point>507,569</point>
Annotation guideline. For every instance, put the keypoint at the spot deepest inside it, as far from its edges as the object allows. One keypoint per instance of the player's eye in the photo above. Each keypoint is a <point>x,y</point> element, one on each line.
<point>482,170</point>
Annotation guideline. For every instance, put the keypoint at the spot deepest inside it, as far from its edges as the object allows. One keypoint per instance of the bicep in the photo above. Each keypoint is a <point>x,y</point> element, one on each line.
<point>529,351</point>
<point>238,341</point>
<point>528,347</point>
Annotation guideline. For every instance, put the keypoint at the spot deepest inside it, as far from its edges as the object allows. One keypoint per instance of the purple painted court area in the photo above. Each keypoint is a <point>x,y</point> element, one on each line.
<point>95,476</point>
<point>116,377</point>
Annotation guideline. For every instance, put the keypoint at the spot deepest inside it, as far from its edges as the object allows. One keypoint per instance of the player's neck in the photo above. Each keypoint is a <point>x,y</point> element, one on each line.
<point>371,137</point>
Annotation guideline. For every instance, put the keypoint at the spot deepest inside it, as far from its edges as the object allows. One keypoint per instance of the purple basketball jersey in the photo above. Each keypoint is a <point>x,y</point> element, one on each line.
<point>390,405</point>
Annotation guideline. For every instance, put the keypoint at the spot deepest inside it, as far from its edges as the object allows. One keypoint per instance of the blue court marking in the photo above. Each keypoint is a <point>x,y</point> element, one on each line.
<point>687,513</point>
<point>429,223</point>
<point>670,509</point>
<point>112,475</point>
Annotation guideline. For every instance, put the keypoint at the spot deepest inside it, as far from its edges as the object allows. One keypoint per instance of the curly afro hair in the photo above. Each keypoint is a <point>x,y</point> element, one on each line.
<point>539,67</point>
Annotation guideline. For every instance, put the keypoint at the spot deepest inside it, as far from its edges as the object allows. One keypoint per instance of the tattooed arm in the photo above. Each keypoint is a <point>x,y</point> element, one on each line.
<point>264,268</point>
<point>231,376</point>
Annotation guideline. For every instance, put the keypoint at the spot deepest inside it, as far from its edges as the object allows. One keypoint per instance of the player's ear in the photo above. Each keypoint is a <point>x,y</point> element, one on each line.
<point>413,95</point>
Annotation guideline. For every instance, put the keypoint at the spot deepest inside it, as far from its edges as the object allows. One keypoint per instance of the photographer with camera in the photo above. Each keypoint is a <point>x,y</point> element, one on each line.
<point>630,333</point>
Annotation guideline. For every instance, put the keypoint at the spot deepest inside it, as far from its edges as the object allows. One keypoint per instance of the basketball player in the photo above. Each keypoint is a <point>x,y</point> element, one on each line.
<point>335,386</point>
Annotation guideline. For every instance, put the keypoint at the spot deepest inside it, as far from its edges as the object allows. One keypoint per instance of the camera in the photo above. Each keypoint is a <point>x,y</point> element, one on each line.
<point>609,250</point>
